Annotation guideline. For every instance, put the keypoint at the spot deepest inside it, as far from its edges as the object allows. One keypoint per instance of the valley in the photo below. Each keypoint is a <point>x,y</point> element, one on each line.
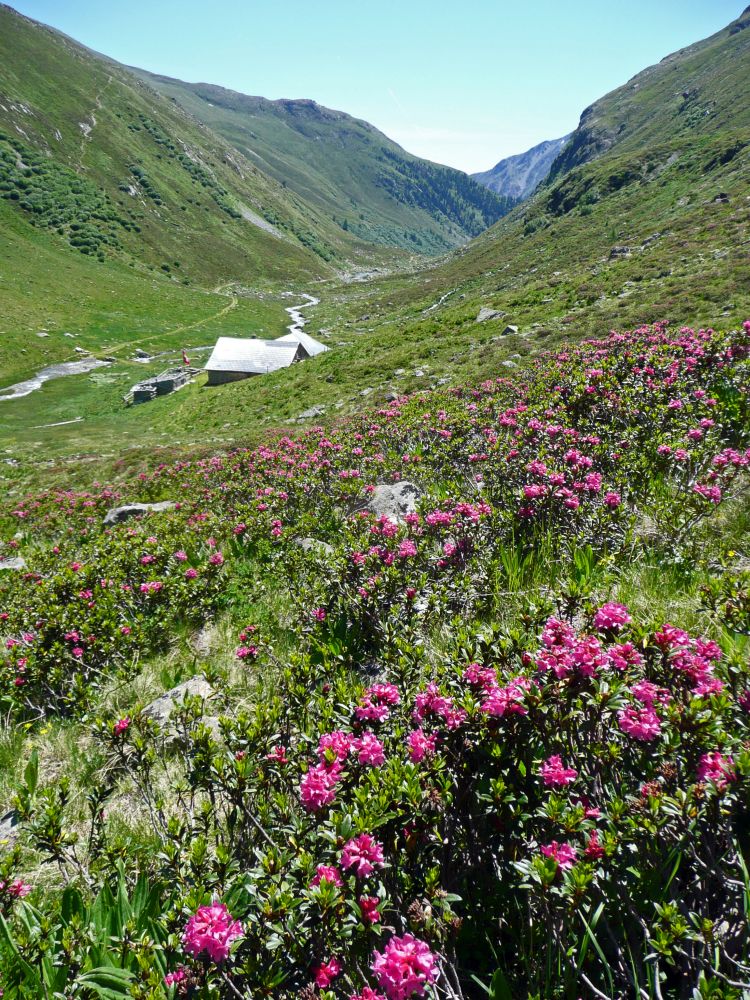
<point>415,668</point>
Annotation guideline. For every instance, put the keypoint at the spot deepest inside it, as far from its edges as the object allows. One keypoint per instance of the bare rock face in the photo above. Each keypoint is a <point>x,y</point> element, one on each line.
<point>394,500</point>
<point>163,707</point>
<point>119,514</point>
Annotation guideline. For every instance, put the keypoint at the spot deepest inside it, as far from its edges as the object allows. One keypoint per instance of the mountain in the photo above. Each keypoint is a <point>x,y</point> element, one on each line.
<point>346,168</point>
<point>696,92</point>
<point>518,176</point>
<point>99,161</point>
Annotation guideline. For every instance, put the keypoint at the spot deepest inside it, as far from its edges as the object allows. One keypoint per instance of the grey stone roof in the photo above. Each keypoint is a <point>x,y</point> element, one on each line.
<point>309,343</point>
<point>257,357</point>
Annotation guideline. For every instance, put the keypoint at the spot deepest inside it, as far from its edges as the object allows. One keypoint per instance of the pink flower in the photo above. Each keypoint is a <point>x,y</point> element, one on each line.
<point>593,850</point>
<point>405,968</point>
<point>190,574</point>
<point>640,723</point>
<point>563,854</point>
<point>121,726</point>
<point>717,768</point>
<point>334,747</point>
<point>18,889</point>
<point>211,930</point>
<point>329,873</point>
<point>421,745</point>
<point>180,555</point>
<point>178,976</point>
<point>326,972</point>
<point>318,787</point>
<point>216,559</point>
<point>367,994</point>
<point>319,614</point>
<point>278,755</point>
<point>406,549</point>
<point>611,616</point>
<point>369,908</point>
<point>246,652</point>
<point>554,773</point>
<point>362,853</point>
<point>369,749</point>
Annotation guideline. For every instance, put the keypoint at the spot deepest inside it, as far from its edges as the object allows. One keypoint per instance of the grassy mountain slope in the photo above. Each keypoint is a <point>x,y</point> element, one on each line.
<point>518,176</point>
<point>133,171</point>
<point>112,199</point>
<point>349,170</point>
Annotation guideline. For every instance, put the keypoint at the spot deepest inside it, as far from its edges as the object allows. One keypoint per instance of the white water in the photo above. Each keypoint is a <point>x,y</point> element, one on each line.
<point>53,371</point>
<point>295,312</point>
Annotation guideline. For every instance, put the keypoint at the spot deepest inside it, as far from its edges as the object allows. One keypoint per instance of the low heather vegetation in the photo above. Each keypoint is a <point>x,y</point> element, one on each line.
<point>494,744</point>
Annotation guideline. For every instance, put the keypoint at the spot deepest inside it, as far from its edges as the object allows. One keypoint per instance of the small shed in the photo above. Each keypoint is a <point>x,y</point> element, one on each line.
<point>310,344</point>
<point>235,358</point>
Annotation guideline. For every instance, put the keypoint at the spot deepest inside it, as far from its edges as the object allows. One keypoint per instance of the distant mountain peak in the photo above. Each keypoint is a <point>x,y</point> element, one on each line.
<point>519,175</point>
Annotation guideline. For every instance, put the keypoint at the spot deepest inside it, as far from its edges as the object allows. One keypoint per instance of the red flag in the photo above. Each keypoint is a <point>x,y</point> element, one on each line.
<point>185,358</point>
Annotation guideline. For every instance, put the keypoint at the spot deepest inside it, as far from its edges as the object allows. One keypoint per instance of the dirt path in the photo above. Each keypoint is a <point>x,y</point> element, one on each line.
<point>177,329</point>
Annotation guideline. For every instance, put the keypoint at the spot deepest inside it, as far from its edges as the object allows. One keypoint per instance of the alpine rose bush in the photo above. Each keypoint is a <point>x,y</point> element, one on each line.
<point>453,756</point>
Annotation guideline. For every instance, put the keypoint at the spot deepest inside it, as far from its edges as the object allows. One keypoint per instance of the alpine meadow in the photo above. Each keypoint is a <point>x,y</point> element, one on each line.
<point>374,535</point>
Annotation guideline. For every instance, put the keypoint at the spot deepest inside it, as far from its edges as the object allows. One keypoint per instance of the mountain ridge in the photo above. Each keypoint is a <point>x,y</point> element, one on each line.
<point>519,175</point>
<point>346,167</point>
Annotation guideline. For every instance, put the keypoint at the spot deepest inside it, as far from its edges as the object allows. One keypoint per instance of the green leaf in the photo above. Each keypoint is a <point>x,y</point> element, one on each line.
<point>31,774</point>
<point>109,983</point>
<point>500,987</point>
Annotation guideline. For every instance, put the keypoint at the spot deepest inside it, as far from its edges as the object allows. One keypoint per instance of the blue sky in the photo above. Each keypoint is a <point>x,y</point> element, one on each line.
<point>460,83</point>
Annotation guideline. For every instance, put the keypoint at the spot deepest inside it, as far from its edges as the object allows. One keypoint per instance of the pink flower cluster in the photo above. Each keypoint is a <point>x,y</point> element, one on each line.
<point>555,774</point>
<point>362,854</point>
<point>405,968</point>
<point>718,769</point>
<point>210,931</point>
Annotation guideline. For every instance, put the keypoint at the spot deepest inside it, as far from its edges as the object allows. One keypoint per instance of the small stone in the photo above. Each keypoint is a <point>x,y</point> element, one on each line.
<point>9,827</point>
<point>205,640</point>
<point>510,329</point>
<point>314,411</point>
<point>162,708</point>
<point>314,545</point>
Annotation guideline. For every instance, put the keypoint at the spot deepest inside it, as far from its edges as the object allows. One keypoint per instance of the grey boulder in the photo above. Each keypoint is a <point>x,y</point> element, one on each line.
<point>13,562</point>
<point>119,514</point>
<point>394,500</point>
<point>162,708</point>
<point>485,313</point>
